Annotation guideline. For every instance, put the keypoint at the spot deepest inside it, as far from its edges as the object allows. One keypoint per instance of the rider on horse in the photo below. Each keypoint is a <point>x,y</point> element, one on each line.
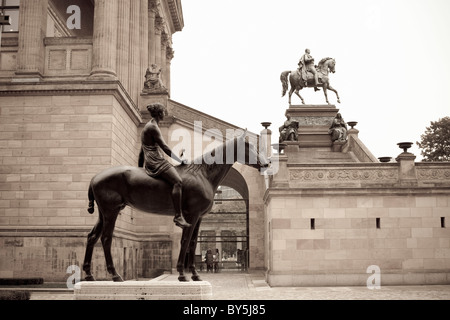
<point>306,64</point>
<point>154,163</point>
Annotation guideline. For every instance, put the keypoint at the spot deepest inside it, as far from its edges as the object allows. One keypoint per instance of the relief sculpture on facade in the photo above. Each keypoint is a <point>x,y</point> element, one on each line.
<point>342,175</point>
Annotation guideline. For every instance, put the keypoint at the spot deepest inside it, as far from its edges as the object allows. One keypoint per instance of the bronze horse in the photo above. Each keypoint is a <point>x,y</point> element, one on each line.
<point>115,188</point>
<point>325,66</point>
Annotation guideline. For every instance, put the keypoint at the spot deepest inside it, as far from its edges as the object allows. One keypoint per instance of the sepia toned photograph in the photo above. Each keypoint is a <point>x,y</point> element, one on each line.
<point>224,155</point>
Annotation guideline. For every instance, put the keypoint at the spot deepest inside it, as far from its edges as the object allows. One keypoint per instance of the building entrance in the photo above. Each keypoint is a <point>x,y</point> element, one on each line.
<point>223,240</point>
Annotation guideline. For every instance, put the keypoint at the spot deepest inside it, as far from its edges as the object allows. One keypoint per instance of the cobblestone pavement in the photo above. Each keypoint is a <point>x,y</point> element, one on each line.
<point>251,286</point>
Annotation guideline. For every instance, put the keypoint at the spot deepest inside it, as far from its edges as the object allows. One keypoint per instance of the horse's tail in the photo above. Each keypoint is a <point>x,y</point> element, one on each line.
<point>91,197</point>
<point>284,81</point>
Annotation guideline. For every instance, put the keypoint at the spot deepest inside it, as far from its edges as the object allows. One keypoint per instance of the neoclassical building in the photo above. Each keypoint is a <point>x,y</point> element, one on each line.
<point>75,79</point>
<point>73,102</point>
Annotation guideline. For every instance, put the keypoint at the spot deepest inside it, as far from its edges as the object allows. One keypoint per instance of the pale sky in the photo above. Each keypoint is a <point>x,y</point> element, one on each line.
<point>392,62</point>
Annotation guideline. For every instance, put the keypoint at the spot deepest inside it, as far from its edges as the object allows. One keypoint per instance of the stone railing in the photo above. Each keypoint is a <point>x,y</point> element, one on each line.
<point>358,148</point>
<point>68,57</point>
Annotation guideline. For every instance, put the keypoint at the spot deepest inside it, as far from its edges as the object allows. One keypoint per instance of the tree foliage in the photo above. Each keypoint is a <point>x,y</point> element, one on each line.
<point>435,142</point>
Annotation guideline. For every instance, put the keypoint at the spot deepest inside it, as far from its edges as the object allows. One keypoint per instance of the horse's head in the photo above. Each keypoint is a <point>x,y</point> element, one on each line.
<point>250,155</point>
<point>332,65</point>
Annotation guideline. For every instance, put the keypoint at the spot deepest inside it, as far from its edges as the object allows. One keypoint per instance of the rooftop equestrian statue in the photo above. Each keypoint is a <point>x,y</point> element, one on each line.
<point>304,77</point>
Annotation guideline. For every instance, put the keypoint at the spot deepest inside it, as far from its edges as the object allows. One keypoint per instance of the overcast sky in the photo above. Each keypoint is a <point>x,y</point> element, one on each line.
<point>392,62</point>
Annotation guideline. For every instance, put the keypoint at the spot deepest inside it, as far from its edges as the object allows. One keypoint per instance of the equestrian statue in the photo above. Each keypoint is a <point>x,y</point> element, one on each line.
<point>309,75</point>
<point>185,191</point>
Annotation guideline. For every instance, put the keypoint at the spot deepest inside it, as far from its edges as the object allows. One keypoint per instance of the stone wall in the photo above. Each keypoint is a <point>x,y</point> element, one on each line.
<point>328,224</point>
<point>52,145</point>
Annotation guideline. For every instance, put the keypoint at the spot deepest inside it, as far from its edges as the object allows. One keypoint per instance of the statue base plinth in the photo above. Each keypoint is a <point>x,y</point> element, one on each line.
<point>143,290</point>
<point>337,146</point>
<point>314,123</point>
<point>291,147</point>
<point>147,98</point>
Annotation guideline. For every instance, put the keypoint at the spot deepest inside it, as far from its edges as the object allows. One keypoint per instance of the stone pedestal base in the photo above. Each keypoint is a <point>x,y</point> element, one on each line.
<point>337,146</point>
<point>143,290</point>
<point>291,147</point>
<point>314,123</point>
<point>150,98</point>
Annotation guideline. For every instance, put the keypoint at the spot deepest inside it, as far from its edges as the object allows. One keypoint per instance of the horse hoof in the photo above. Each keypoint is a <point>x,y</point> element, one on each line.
<point>117,278</point>
<point>339,101</point>
<point>196,278</point>
<point>89,278</point>
<point>182,279</point>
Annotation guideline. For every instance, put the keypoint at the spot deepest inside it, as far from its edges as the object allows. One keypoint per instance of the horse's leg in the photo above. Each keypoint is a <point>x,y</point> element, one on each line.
<point>191,254</point>
<point>92,240</point>
<point>325,87</point>
<point>109,221</point>
<point>298,94</point>
<point>335,91</point>
<point>291,91</point>
<point>185,240</point>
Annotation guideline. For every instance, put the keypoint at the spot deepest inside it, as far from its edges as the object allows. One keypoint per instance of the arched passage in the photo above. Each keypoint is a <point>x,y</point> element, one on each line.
<point>225,230</point>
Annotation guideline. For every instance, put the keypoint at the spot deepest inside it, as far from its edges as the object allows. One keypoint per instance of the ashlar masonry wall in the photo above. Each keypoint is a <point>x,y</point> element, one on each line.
<point>51,147</point>
<point>327,225</point>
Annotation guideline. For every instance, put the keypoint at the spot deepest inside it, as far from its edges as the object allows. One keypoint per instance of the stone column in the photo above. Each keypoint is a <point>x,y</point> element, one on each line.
<point>122,43</point>
<point>105,39</point>
<point>169,57</point>
<point>143,41</point>
<point>164,44</point>
<point>134,52</point>
<point>152,10</point>
<point>31,51</point>
<point>159,27</point>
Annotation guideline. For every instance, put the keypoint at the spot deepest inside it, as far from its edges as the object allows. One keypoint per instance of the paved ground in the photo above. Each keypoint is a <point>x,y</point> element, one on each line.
<point>236,286</point>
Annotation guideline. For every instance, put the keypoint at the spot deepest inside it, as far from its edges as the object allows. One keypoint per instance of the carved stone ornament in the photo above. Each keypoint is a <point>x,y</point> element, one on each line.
<point>314,121</point>
<point>343,175</point>
<point>153,83</point>
<point>170,53</point>
<point>433,174</point>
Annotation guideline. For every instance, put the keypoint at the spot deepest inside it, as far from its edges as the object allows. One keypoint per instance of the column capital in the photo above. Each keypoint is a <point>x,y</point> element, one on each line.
<point>170,53</point>
<point>153,5</point>
<point>159,24</point>
<point>165,39</point>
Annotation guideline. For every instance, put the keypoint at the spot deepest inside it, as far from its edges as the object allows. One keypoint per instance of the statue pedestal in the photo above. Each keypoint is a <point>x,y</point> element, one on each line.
<point>314,123</point>
<point>337,146</point>
<point>143,290</point>
<point>147,98</point>
<point>291,147</point>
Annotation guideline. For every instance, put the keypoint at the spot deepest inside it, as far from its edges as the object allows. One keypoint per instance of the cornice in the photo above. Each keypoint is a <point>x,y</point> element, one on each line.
<point>176,13</point>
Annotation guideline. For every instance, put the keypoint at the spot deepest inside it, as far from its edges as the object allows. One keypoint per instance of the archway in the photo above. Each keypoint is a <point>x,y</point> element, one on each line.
<point>225,231</point>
